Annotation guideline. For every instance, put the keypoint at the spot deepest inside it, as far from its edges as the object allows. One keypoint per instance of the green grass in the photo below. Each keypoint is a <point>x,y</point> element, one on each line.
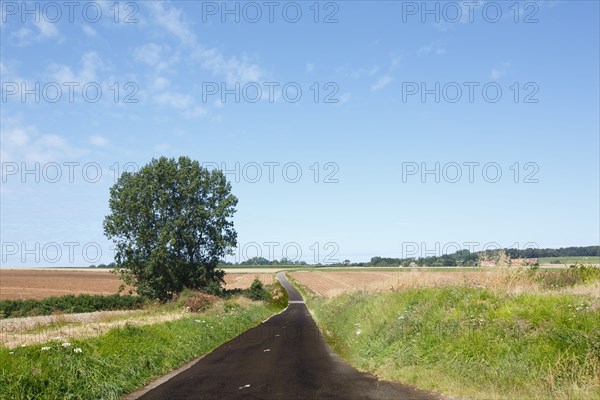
<point>470,342</point>
<point>69,304</point>
<point>124,359</point>
<point>570,260</point>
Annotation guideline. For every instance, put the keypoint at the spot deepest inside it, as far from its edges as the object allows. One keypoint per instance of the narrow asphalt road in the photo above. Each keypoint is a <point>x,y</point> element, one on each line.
<point>285,357</point>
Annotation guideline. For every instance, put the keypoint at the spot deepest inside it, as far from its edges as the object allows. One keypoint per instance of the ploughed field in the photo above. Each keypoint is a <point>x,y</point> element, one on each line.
<point>40,283</point>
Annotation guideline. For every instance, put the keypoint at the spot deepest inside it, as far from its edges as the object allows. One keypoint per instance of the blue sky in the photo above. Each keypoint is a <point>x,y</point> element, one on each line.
<point>367,131</point>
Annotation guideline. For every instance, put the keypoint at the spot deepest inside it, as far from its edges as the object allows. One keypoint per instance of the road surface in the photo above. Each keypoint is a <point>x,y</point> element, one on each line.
<point>285,357</point>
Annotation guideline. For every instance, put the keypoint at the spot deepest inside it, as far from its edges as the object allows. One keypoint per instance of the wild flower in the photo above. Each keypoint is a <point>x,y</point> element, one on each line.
<point>66,344</point>
<point>77,350</point>
<point>45,348</point>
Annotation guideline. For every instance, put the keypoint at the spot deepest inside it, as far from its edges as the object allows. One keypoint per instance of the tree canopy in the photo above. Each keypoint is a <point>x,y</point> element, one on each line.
<point>171,224</point>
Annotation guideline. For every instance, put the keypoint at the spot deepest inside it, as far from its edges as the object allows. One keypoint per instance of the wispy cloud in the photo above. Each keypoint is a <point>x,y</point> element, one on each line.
<point>90,64</point>
<point>88,30</point>
<point>381,83</point>
<point>162,56</point>
<point>435,48</point>
<point>344,98</point>
<point>173,21</point>
<point>35,32</point>
<point>24,143</point>
<point>357,73</point>
<point>500,71</point>
<point>98,140</point>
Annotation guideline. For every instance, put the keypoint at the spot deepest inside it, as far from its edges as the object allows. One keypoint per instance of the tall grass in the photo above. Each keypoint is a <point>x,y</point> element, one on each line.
<point>470,342</point>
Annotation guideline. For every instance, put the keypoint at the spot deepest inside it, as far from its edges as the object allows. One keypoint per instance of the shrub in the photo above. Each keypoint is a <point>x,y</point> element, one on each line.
<point>257,291</point>
<point>214,288</point>
<point>198,301</point>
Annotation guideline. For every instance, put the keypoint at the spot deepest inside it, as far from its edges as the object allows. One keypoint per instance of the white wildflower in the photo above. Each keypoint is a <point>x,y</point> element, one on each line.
<point>45,348</point>
<point>77,350</point>
<point>66,344</point>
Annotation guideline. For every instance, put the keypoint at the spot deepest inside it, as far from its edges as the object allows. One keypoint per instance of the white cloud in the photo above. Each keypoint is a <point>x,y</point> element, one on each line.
<point>47,29</point>
<point>182,102</point>
<point>98,140</point>
<point>357,73</point>
<point>171,19</point>
<point>500,71</point>
<point>233,69</point>
<point>381,83</point>
<point>90,63</point>
<point>344,98</point>
<point>159,56</point>
<point>18,137</point>
<point>149,53</point>
<point>88,30</point>
<point>435,47</point>
<point>23,143</point>
<point>160,83</point>
<point>194,112</point>
<point>43,30</point>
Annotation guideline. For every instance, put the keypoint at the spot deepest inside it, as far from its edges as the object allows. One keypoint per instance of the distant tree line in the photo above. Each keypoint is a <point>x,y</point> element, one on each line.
<point>465,258</point>
<point>262,261</point>
<point>461,258</point>
<point>111,265</point>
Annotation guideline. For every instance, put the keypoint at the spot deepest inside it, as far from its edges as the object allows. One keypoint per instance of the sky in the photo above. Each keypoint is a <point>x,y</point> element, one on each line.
<point>348,129</point>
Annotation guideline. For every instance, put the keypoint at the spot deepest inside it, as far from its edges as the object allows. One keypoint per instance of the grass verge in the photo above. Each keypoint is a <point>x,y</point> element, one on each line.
<point>470,342</point>
<point>124,359</point>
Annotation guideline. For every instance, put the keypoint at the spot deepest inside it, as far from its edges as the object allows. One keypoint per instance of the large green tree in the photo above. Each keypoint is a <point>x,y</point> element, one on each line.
<point>171,224</point>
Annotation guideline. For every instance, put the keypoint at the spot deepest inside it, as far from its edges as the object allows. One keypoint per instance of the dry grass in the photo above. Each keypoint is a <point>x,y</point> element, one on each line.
<point>16,332</point>
<point>508,279</point>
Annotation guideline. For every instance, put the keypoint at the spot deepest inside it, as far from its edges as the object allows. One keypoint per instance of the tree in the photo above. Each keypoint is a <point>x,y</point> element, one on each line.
<point>170,223</point>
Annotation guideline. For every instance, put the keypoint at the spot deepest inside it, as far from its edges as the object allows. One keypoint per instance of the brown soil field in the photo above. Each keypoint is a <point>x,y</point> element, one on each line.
<point>37,284</point>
